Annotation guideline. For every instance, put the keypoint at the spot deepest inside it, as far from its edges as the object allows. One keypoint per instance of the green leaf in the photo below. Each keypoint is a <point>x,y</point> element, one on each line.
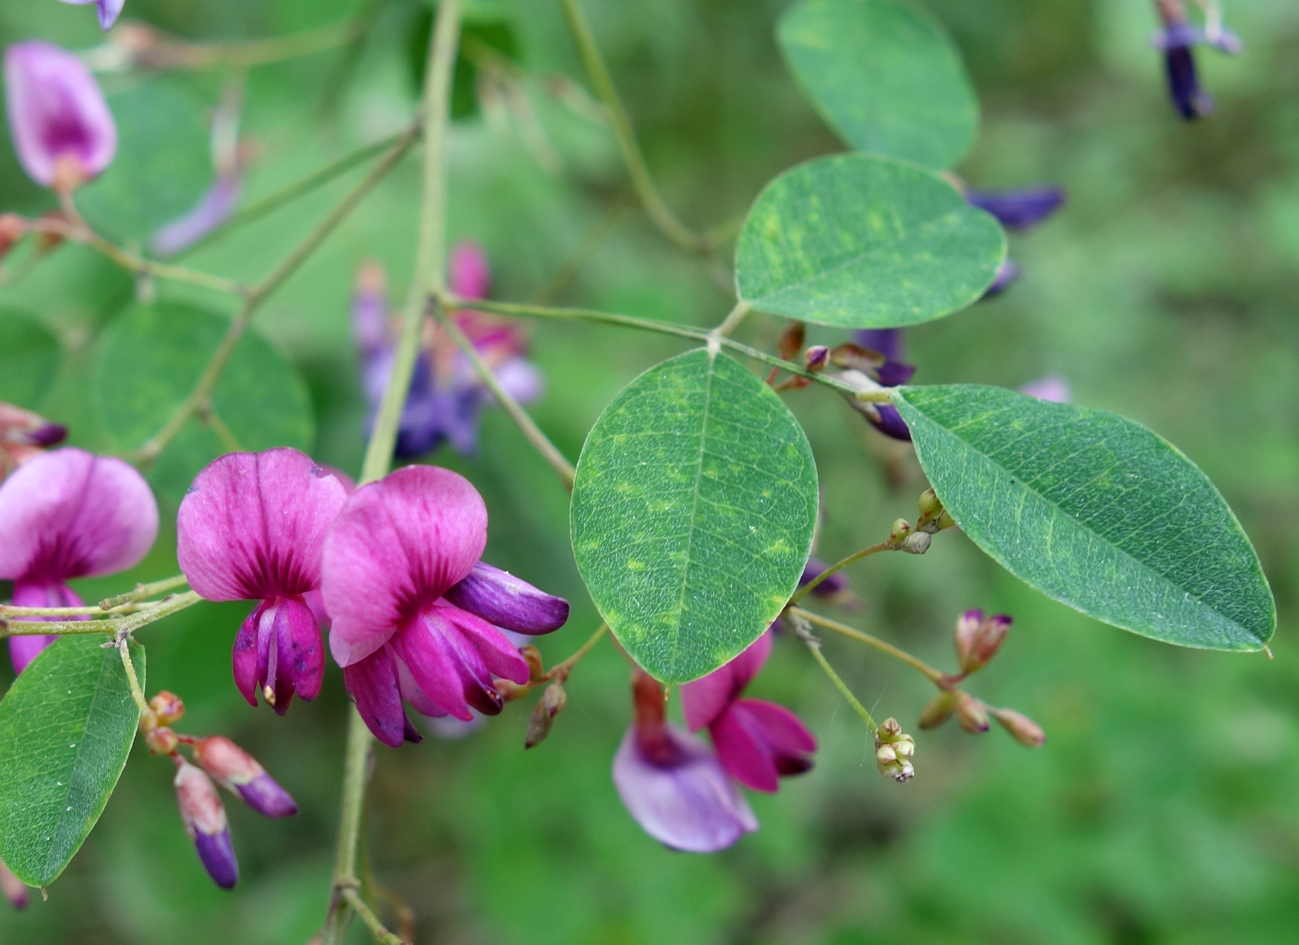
<point>29,359</point>
<point>859,241</point>
<point>147,365</point>
<point>1095,511</point>
<point>884,77</point>
<point>692,515</point>
<point>162,167</point>
<point>66,727</point>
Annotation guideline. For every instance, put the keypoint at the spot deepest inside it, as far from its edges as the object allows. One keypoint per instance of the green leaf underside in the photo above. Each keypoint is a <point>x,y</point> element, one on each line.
<point>29,359</point>
<point>692,515</point>
<point>66,727</point>
<point>884,77</point>
<point>859,241</point>
<point>148,363</point>
<point>162,166</point>
<point>1095,511</point>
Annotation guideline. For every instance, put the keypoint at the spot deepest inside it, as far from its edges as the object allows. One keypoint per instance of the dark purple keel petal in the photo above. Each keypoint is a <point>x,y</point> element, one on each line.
<point>422,649</point>
<point>301,661</point>
<point>885,418</point>
<point>205,822</point>
<point>239,772</point>
<point>374,688</point>
<point>506,601</point>
<point>266,797</point>
<point>244,656</point>
<point>887,341</point>
<point>217,853</point>
<point>1188,98</point>
<point>1018,209</point>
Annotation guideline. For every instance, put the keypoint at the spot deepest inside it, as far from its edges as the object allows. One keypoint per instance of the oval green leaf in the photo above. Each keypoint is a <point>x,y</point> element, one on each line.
<point>1095,511</point>
<point>858,241</point>
<point>163,163</point>
<point>66,727</point>
<point>884,77</point>
<point>147,365</point>
<point>29,359</point>
<point>693,512</point>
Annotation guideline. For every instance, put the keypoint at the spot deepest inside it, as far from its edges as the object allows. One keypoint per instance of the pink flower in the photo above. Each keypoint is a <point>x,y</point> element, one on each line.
<point>64,515</point>
<point>24,436</point>
<point>1053,387</point>
<point>758,742</point>
<point>672,784</point>
<point>401,628</point>
<point>109,10</point>
<point>251,528</point>
<point>62,129</point>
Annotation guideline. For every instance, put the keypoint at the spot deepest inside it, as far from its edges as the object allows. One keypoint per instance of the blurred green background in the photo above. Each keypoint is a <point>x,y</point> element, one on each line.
<point>1165,806</point>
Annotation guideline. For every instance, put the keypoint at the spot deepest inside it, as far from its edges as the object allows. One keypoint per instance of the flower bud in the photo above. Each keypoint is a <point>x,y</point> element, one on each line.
<point>205,822</point>
<point>967,625</point>
<point>893,751</point>
<point>536,668</point>
<point>987,641</point>
<point>938,710</point>
<point>929,504</point>
<point>1025,730</point>
<point>901,529</point>
<point>239,773</point>
<point>167,707</point>
<point>916,543</point>
<point>791,341</point>
<point>552,702</point>
<point>971,714</point>
<point>816,357</point>
<point>161,741</point>
<point>15,889</point>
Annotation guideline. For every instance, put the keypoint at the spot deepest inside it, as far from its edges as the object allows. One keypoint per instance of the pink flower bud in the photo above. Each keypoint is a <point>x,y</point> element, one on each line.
<point>205,822</point>
<point>971,714</point>
<point>938,710</point>
<point>62,129</point>
<point>167,707</point>
<point>239,773</point>
<point>109,10</point>
<point>1025,730</point>
<point>14,888</point>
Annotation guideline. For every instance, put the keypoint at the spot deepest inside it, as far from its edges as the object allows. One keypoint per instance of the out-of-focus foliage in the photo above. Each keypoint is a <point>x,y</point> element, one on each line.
<point>1162,809</point>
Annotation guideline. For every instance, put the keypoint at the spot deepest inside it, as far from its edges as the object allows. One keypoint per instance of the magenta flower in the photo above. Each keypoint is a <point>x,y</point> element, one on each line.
<point>109,10</point>
<point>64,515</point>
<point>205,823</point>
<point>62,129</point>
<point>413,608</point>
<point>672,784</point>
<point>757,742</point>
<point>251,528</point>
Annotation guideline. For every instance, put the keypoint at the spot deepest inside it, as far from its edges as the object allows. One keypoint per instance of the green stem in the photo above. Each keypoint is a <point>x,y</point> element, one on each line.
<point>272,202</point>
<point>144,591</point>
<point>207,381</point>
<point>887,545</point>
<point>137,691</point>
<point>883,395</point>
<point>549,452</point>
<point>813,644</point>
<point>732,320</point>
<point>933,675</point>
<point>641,180</point>
<point>429,278</point>
<point>381,934</point>
<point>562,671</point>
<point>125,624</point>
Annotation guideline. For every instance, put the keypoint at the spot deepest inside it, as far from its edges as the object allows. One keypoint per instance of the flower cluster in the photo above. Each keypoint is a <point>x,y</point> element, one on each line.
<point>446,397</point>
<point>1177,39</point>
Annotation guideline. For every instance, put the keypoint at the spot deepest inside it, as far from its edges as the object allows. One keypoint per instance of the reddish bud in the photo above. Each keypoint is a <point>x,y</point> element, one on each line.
<point>536,668</point>
<point>161,741</point>
<point>12,229</point>
<point>971,714</point>
<point>14,888</point>
<point>967,625</point>
<point>239,773</point>
<point>791,341</point>
<point>816,357</point>
<point>1025,730</point>
<point>552,702</point>
<point>938,710</point>
<point>167,707</point>
<point>205,822</point>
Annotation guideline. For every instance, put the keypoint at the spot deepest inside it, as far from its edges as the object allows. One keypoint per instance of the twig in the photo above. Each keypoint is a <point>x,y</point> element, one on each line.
<point>381,934</point>
<point>933,675</point>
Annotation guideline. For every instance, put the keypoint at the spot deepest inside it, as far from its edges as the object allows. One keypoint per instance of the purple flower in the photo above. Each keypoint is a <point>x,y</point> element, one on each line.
<point>1019,209</point>
<point>239,773</point>
<point>62,129</point>
<point>391,564</point>
<point>212,209</point>
<point>888,343</point>
<point>1177,39</point>
<point>205,823</point>
<point>1053,387</point>
<point>15,889</point>
<point>251,528</point>
<point>757,742</point>
<point>673,785</point>
<point>109,10</point>
<point>1007,275</point>
<point>69,514</point>
<point>446,397</point>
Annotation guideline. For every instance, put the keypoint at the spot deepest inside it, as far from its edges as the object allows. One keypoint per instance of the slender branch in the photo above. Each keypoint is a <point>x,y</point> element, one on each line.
<point>77,231</point>
<point>887,544</point>
<point>732,320</point>
<point>125,624</point>
<point>641,180</point>
<point>137,691</point>
<point>933,675</point>
<point>381,934</point>
<point>313,181</point>
<point>562,670</point>
<point>549,452</point>
<point>884,395</point>
<point>10,611</point>
<point>207,381</point>
<point>155,51</point>
<point>813,644</point>
<point>429,278</point>
<point>144,591</point>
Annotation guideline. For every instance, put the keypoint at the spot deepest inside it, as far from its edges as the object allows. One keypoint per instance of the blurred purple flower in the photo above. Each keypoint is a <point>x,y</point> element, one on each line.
<point>1177,39</point>
<point>213,209</point>
<point>205,822</point>
<point>64,515</point>
<point>1007,275</point>
<point>446,397</point>
<point>757,742</point>
<point>672,784</point>
<point>887,342</point>
<point>1053,387</point>
<point>109,10</point>
<point>1018,209</point>
<point>61,126</point>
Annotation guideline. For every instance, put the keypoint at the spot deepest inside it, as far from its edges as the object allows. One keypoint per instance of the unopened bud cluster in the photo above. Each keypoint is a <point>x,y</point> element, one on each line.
<point>893,751</point>
<point>217,759</point>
